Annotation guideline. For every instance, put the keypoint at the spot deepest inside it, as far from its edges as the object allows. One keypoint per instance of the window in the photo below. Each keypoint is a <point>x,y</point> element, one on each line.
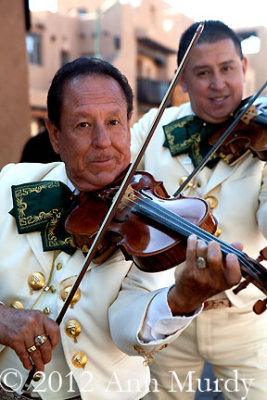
<point>82,11</point>
<point>33,45</point>
<point>117,42</point>
<point>64,57</point>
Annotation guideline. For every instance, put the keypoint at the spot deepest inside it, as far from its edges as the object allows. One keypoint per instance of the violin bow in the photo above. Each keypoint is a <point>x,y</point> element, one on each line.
<point>125,183</point>
<point>204,161</point>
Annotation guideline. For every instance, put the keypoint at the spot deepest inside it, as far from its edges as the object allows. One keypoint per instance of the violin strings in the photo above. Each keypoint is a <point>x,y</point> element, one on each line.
<point>191,228</point>
<point>188,227</point>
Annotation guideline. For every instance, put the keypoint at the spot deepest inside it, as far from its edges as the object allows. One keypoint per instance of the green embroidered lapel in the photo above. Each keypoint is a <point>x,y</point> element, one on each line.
<point>190,135</point>
<point>43,206</point>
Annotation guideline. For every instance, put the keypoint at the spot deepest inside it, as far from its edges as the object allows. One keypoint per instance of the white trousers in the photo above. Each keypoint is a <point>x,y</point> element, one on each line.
<point>233,340</point>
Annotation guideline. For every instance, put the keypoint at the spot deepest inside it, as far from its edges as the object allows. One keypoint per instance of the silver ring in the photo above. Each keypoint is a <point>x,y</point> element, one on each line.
<point>201,263</point>
<point>31,349</point>
<point>40,339</point>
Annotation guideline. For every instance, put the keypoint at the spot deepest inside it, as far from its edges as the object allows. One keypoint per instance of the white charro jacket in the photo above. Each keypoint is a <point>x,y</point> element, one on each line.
<point>240,189</point>
<point>109,373</point>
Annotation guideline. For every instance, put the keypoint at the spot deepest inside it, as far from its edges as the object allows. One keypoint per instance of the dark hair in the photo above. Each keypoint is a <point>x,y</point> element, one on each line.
<point>213,32</point>
<point>83,66</point>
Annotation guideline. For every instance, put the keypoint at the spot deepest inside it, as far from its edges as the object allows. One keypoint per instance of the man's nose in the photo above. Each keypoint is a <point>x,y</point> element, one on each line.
<point>217,81</point>
<point>100,136</point>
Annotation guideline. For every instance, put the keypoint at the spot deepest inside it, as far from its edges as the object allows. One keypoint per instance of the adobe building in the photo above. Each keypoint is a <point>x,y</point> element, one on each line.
<point>140,41</point>
<point>14,99</point>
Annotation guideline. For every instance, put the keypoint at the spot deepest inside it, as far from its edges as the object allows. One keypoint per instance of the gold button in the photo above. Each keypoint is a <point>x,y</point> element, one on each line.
<point>79,360</point>
<point>73,329</point>
<point>190,184</point>
<point>59,266</point>
<point>46,310</point>
<point>52,289</point>
<point>85,248</point>
<point>182,180</point>
<point>213,202</point>
<point>218,232</point>
<point>37,376</point>
<point>72,243</point>
<point>36,281</point>
<point>17,304</point>
<point>65,292</point>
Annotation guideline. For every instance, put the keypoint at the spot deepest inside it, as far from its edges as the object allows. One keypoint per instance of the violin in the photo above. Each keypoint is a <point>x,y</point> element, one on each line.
<point>150,228</point>
<point>249,134</point>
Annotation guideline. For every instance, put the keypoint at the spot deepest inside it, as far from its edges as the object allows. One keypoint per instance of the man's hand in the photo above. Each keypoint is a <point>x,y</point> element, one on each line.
<point>193,285</point>
<point>19,328</point>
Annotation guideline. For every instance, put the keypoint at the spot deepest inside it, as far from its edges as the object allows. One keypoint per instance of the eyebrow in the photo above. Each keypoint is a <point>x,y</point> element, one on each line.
<point>115,109</point>
<point>197,67</point>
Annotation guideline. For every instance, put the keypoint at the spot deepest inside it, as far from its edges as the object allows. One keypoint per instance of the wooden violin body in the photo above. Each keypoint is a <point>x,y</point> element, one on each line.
<point>150,228</point>
<point>152,249</point>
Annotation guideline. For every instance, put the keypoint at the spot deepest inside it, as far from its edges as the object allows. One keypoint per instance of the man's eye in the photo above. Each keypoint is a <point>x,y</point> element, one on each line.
<point>114,122</point>
<point>202,73</point>
<point>83,124</point>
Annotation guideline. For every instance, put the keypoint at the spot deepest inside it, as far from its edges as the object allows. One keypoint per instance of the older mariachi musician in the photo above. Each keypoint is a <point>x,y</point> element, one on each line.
<point>227,333</point>
<point>119,313</point>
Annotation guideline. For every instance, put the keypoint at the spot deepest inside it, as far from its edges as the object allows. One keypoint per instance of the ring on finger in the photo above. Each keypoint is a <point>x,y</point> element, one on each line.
<point>31,349</point>
<point>40,339</point>
<point>201,263</point>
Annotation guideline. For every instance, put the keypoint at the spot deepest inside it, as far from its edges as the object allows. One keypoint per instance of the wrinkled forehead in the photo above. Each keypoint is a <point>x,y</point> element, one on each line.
<point>93,86</point>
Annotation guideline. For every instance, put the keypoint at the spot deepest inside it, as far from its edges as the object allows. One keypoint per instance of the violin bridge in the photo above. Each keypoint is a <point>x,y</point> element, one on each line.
<point>128,198</point>
<point>249,114</point>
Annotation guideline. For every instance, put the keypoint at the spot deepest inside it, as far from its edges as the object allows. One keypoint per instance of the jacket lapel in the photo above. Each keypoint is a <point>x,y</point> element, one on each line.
<point>221,172</point>
<point>46,257</point>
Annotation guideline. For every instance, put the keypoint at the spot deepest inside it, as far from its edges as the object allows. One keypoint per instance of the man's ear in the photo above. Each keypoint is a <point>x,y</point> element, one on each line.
<point>181,82</point>
<point>244,65</point>
<point>53,132</point>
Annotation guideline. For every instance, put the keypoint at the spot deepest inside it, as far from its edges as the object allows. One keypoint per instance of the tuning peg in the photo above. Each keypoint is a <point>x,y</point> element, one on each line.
<point>263,255</point>
<point>242,285</point>
<point>260,306</point>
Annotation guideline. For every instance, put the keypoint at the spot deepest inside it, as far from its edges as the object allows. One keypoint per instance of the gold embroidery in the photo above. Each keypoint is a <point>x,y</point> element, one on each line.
<point>148,355</point>
<point>52,239</point>
<point>22,205</point>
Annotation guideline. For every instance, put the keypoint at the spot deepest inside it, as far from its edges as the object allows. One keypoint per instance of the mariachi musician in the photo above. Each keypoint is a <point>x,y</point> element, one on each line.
<point>117,319</point>
<point>227,333</point>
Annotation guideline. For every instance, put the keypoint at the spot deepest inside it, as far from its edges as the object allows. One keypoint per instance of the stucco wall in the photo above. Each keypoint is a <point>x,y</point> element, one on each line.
<point>14,98</point>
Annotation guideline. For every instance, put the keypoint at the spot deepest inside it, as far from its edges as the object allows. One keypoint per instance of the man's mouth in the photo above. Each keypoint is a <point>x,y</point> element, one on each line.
<point>218,99</point>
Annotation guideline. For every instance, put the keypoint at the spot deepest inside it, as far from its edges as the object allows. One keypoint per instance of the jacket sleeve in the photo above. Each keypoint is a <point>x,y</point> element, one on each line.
<point>128,312</point>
